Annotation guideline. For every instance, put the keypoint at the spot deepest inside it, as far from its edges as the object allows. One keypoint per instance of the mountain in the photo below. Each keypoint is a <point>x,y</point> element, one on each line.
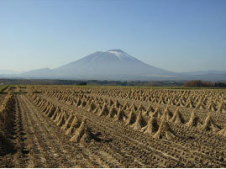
<point>38,73</point>
<point>114,64</point>
<point>110,65</point>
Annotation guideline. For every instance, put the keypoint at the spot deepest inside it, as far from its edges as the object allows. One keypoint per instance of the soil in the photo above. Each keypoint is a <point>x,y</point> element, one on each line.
<point>56,127</point>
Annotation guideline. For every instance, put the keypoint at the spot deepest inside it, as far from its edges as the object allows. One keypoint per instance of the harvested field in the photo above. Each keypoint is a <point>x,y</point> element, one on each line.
<point>68,126</point>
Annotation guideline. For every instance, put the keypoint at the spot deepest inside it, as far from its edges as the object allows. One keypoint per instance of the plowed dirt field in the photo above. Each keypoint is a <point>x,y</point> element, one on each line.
<point>67,126</point>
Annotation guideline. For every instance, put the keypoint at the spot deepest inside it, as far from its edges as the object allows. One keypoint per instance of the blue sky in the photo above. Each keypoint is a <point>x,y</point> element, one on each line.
<point>177,35</point>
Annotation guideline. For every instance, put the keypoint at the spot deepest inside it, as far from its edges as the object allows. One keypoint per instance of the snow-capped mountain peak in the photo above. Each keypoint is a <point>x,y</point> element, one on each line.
<point>119,53</point>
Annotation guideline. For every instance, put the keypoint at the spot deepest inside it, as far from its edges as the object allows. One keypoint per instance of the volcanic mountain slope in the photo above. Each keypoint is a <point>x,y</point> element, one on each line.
<point>110,65</point>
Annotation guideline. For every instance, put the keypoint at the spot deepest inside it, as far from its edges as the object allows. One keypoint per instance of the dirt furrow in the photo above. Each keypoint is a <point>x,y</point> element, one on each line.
<point>39,154</point>
<point>69,152</point>
<point>54,155</point>
<point>21,157</point>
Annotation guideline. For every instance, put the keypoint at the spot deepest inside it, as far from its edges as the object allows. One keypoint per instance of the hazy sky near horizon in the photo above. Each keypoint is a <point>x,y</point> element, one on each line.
<point>176,35</point>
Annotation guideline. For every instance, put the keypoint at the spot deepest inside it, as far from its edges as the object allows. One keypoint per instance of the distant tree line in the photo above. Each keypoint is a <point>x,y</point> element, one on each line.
<point>199,83</point>
<point>88,82</point>
<point>193,83</point>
